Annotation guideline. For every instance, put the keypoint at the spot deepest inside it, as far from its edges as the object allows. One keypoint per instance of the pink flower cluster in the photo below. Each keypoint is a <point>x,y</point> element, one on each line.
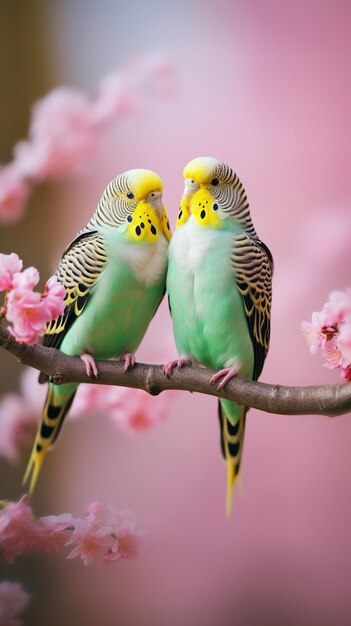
<point>66,128</point>
<point>102,535</point>
<point>13,599</point>
<point>132,410</point>
<point>330,330</point>
<point>27,310</point>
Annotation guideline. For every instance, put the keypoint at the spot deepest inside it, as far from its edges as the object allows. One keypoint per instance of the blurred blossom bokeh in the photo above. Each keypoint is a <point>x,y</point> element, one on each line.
<point>265,87</point>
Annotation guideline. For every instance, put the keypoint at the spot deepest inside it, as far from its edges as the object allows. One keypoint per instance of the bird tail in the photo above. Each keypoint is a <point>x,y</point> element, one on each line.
<point>232,424</point>
<point>54,412</point>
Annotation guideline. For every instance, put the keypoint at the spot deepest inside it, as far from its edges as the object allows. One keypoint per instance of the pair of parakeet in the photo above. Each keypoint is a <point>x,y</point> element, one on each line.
<point>115,273</point>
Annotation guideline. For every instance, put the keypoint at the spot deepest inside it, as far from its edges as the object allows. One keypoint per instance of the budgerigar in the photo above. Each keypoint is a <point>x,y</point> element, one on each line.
<point>114,273</point>
<point>219,283</point>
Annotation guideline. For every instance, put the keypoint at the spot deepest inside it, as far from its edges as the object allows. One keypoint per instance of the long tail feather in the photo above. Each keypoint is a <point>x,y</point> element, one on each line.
<point>232,441</point>
<point>47,433</point>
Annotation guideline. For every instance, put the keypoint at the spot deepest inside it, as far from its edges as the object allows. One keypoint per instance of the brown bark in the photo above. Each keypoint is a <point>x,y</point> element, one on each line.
<point>328,400</point>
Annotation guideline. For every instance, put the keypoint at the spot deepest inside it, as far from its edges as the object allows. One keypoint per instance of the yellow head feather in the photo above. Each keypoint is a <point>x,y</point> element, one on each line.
<point>143,182</point>
<point>201,169</point>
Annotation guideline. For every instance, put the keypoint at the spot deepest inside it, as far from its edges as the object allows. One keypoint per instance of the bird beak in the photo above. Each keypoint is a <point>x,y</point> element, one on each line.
<point>190,187</point>
<point>155,199</point>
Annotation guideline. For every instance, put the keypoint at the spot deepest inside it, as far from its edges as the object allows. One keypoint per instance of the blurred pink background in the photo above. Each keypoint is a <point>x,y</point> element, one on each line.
<point>266,87</point>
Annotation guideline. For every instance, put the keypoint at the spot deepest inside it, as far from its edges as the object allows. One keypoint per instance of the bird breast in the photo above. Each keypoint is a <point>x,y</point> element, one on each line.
<point>191,244</point>
<point>147,261</point>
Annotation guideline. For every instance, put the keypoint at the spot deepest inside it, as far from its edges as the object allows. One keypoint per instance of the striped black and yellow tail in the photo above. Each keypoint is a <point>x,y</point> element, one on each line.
<point>232,442</point>
<point>54,412</point>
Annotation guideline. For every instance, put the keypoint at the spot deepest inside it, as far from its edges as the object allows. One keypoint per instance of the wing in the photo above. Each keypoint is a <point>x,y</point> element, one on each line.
<point>79,270</point>
<point>253,268</point>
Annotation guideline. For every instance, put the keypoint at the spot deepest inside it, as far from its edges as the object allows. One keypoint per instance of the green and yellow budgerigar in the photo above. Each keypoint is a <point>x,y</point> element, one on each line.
<point>114,273</point>
<point>219,283</point>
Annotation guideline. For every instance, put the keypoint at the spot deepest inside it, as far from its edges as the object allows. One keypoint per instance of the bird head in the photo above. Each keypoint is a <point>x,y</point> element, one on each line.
<point>212,194</point>
<point>133,202</point>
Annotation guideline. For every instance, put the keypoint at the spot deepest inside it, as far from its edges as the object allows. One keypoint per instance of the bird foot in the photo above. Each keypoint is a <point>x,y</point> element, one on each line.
<point>227,372</point>
<point>90,365</point>
<point>129,360</point>
<point>178,363</point>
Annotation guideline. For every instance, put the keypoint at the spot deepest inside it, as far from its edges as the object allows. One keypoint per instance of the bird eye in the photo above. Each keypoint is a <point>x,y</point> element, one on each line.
<point>130,195</point>
<point>214,182</point>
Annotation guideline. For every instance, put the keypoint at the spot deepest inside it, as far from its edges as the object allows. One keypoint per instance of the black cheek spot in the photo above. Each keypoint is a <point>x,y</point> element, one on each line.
<point>142,224</point>
<point>215,206</point>
<point>180,214</point>
<point>39,447</point>
<point>129,218</point>
<point>203,214</point>
<point>153,229</point>
<point>168,226</point>
<point>138,230</point>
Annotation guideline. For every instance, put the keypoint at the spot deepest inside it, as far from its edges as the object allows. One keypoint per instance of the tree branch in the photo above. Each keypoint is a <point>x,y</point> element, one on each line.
<point>328,400</point>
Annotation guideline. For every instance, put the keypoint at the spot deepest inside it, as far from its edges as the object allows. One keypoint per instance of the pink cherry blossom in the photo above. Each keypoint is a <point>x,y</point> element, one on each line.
<point>92,543</point>
<point>55,529</point>
<point>330,330</point>
<point>26,280</point>
<point>19,533</point>
<point>28,311</point>
<point>124,530</point>
<point>106,535</point>
<point>102,535</point>
<point>337,307</point>
<point>107,514</point>
<point>54,294</point>
<point>332,354</point>
<point>123,92</point>
<point>13,599</point>
<point>313,332</point>
<point>116,97</point>
<point>10,264</point>
<point>14,193</point>
<point>28,315</point>
<point>67,128</point>
<point>61,136</point>
<point>132,410</point>
<point>128,541</point>
<point>99,513</point>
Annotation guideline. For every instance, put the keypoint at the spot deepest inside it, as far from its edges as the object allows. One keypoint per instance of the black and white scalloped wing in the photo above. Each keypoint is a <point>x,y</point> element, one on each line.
<point>253,268</point>
<point>79,270</point>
